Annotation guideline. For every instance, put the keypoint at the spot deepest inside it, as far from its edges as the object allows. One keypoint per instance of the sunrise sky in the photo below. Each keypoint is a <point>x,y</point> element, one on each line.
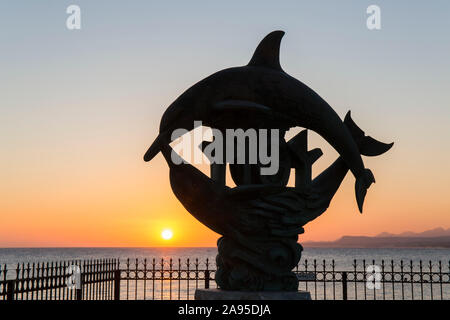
<point>78,109</point>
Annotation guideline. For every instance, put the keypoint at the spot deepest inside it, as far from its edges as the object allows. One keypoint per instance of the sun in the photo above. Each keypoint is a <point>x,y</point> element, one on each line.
<point>167,234</point>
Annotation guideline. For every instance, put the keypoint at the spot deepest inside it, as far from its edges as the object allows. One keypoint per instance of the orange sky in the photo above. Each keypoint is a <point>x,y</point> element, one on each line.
<point>132,206</point>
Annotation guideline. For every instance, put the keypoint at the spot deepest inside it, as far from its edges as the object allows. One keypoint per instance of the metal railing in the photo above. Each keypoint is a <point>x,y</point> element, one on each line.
<point>161,279</point>
<point>52,280</point>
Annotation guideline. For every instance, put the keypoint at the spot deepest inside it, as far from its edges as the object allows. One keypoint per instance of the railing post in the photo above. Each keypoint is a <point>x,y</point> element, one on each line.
<point>206,279</point>
<point>79,288</point>
<point>117,285</point>
<point>78,294</point>
<point>10,286</point>
<point>344,285</point>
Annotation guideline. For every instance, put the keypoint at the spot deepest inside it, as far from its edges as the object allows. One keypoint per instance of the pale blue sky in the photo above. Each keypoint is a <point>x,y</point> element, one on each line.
<point>149,51</point>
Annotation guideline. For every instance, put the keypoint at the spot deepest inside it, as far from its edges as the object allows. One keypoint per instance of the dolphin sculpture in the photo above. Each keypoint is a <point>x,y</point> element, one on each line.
<point>260,223</point>
<point>274,99</point>
<point>223,209</point>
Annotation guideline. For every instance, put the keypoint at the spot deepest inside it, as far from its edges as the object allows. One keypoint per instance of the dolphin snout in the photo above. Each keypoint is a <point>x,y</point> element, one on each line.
<point>156,146</point>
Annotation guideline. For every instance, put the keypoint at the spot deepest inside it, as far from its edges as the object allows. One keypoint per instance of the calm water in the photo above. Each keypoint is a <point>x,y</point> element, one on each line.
<point>342,257</point>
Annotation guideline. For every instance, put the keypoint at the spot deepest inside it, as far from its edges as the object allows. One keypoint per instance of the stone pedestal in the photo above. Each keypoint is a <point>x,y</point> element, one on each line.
<point>217,294</point>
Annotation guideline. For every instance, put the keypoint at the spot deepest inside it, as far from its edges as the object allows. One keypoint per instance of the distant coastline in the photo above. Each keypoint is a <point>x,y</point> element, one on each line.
<point>382,242</point>
<point>435,238</point>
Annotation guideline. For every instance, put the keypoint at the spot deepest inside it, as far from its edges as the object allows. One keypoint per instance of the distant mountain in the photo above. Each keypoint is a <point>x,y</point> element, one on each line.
<point>387,240</point>
<point>437,232</point>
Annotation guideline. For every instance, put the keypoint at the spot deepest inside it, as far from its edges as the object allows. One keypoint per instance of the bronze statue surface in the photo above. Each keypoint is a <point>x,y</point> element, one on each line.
<point>261,217</point>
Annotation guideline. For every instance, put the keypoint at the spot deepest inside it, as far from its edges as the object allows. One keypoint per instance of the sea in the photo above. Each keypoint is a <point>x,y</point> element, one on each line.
<point>343,257</point>
<point>339,259</point>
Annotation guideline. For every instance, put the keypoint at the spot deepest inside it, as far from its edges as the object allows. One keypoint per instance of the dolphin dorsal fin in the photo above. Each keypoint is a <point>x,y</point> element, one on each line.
<point>267,54</point>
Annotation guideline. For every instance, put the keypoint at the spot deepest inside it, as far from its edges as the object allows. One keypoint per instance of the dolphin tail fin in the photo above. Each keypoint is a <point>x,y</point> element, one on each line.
<point>363,183</point>
<point>367,145</point>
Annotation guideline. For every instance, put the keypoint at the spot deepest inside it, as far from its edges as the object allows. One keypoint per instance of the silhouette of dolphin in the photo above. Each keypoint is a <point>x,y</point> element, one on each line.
<point>261,94</point>
<point>258,209</point>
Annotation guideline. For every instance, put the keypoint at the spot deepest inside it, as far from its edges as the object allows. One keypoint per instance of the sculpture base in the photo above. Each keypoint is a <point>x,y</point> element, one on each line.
<point>217,294</point>
<point>261,265</point>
